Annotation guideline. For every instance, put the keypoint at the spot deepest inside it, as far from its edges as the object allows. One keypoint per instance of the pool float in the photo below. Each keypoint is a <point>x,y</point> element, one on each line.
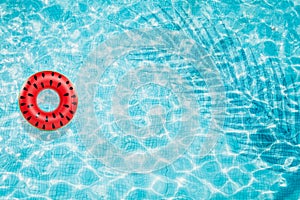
<point>60,116</point>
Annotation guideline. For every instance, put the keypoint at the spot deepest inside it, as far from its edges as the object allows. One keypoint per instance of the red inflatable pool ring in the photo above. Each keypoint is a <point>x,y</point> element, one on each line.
<point>39,118</point>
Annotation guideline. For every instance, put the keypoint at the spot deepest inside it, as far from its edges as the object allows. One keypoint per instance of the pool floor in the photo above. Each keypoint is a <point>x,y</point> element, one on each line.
<point>176,99</point>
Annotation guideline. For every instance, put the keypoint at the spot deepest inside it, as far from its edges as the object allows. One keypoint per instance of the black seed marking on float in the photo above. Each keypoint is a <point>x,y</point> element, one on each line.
<point>43,75</point>
<point>61,115</point>
<point>29,94</point>
<point>37,115</point>
<point>71,111</point>
<point>66,105</point>
<point>71,88</point>
<point>43,126</point>
<point>53,114</point>
<point>28,118</point>
<point>25,89</point>
<point>36,87</point>
<point>58,84</point>
<point>73,96</point>
<point>74,103</point>
<point>26,111</point>
<point>35,77</point>
<point>51,82</point>
<point>22,104</point>
<point>67,82</point>
<point>22,97</point>
<point>31,105</point>
<point>68,118</point>
<point>67,94</point>
<point>53,126</point>
<point>46,119</point>
<point>28,82</point>
<point>52,73</point>
<point>59,76</point>
<point>42,84</point>
<point>36,124</point>
<point>60,122</point>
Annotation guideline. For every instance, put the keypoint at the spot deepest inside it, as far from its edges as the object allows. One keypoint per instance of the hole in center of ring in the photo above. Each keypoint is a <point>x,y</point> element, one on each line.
<point>48,100</point>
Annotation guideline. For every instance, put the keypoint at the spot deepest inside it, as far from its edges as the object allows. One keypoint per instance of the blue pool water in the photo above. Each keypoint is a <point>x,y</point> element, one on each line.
<point>177,99</point>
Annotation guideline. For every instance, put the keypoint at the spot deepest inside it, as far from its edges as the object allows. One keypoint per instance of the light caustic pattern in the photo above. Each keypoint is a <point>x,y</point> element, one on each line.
<point>240,58</point>
<point>153,96</point>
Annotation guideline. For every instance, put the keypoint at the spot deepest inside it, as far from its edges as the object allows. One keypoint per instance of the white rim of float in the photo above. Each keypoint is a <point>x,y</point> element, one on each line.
<point>120,45</point>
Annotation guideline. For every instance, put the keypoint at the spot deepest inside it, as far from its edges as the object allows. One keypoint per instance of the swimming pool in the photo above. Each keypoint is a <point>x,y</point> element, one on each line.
<point>177,99</point>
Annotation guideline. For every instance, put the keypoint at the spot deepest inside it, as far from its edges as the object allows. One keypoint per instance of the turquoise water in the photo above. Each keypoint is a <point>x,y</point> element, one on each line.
<point>177,100</point>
